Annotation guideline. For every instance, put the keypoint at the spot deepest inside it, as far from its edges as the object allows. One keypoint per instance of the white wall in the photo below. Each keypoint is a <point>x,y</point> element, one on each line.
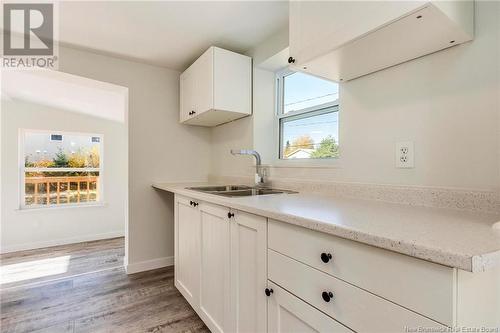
<point>33,228</point>
<point>160,149</point>
<point>447,103</point>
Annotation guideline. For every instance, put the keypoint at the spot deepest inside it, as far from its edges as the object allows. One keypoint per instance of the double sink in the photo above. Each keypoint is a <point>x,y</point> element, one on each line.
<point>238,190</point>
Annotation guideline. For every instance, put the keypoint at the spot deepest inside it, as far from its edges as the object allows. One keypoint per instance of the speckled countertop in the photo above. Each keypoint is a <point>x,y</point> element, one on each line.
<point>455,238</point>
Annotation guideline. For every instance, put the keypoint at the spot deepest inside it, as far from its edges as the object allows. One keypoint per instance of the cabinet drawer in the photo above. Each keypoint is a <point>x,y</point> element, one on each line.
<point>422,286</point>
<point>287,313</point>
<point>350,305</point>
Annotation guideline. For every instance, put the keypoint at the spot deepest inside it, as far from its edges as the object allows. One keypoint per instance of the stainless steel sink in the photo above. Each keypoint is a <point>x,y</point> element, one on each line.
<point>238,190</point>
<point>219,188</point>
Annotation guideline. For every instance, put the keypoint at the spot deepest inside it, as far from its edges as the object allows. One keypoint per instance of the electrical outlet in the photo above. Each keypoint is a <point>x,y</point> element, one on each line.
<point>404,154</point>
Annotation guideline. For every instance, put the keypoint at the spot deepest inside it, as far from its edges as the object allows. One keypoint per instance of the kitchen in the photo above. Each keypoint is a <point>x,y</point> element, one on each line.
<point>333,168</point>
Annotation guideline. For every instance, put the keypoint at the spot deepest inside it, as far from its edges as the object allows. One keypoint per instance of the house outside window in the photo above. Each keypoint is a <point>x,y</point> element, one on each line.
<point>60,168</point>
<point>307,116</point>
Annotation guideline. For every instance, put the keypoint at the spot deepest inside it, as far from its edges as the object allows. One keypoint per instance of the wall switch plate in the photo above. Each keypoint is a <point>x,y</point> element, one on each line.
<point>405,155</point>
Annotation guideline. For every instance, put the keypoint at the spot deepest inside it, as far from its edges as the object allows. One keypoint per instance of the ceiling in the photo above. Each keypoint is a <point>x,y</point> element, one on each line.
<point>170,34</point>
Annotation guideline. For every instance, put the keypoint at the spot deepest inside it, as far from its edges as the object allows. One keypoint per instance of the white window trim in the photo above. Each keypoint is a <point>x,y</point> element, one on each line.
<point>278,162</point>
<point>23,170</point>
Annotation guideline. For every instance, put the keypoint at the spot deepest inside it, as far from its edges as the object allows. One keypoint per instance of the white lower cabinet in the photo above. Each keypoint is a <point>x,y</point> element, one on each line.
<point>187,249</point>
<point>248,272</point>
<point>289,314</point>
<point>215,267</point>
<point>244,273</point>
<point>221,265</point>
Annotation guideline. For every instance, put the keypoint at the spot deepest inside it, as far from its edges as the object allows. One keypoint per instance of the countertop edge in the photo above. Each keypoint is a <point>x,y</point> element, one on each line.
<point>473,263</point>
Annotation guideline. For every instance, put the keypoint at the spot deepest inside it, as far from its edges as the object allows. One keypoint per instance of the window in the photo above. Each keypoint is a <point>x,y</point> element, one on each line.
<point>55,137</point>
<point>307,116</point>
<point>56,172</point>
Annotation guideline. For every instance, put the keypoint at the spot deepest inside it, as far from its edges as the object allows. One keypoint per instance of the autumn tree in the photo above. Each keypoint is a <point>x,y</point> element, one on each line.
<point>77,160</point>
<point>304,142</point>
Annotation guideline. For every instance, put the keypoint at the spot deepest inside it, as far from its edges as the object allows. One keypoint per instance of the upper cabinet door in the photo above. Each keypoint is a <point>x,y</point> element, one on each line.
<point>187,89</point>
<point>204,86</point>
<point>248,272</point>
<point>317,27</point>
<point>343,40</point>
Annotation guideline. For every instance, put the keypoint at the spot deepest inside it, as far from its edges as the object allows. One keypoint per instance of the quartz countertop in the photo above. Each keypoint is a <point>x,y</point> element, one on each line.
<point>466,240</point>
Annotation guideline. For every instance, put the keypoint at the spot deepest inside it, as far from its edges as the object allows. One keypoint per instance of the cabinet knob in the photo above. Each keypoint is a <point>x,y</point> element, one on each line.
<point>229,215</point>
<point>191,202</point>
<point>291,60</point>
<point>327,296</point>
<point>195,204</point>
<point>325,257</point>
<point>269,291</point>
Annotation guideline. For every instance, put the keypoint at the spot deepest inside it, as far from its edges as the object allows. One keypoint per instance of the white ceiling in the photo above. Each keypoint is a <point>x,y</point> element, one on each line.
<point>168,33</point>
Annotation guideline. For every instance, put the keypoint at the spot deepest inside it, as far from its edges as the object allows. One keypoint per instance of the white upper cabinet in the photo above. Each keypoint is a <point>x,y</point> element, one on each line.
<point>343,40</point>
<point>216,88</point>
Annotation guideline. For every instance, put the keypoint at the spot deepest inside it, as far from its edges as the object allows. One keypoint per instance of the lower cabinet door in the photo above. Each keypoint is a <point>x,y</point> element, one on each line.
<point>289,314</point>
<point>215,268</point>
<point>248,272</point>
<point>187,249</point>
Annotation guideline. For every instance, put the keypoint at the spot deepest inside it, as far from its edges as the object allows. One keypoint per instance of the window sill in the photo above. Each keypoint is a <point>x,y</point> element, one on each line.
<point>61,207</point>
<point>331,163</point>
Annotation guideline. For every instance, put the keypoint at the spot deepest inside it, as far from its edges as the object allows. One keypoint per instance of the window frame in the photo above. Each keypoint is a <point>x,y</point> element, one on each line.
<point>23,169</point>
<point>296,115</point>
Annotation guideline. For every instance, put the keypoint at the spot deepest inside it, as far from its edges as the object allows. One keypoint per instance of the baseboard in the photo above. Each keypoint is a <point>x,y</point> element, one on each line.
<point>39,245</point>
<point>148,265</point>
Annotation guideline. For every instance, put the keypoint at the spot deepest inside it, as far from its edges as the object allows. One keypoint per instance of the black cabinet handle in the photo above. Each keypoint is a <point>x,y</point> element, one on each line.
<point>229,215</point>
<point>268,291</point>
<point>327,296</point>
<point>325,257</point>
<point>191,202</point>
<point>291,60</point>
<point>195,204</point>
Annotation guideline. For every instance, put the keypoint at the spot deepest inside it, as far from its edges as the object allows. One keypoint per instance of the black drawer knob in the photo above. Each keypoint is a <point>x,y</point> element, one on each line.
<point>195,204</point>
<point>191,202</point>
<point>326,257</point>
<point>268,291</point>
<point>229,215</point>
<point>327,296</point>
<point>291,60</point>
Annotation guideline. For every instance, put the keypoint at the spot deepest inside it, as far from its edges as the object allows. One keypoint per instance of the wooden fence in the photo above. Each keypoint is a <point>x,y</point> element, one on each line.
<point>63,188</point>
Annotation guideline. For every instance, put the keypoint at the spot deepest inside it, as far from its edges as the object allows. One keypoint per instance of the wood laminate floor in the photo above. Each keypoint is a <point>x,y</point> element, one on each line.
<point>84,288</point>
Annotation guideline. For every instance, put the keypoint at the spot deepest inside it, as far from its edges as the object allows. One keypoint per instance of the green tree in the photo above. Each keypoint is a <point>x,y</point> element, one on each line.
<point>327,148</point>
<point>60,160</point>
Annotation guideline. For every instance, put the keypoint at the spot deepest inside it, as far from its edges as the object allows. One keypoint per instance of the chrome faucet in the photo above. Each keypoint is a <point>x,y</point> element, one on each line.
<point>259,174</point>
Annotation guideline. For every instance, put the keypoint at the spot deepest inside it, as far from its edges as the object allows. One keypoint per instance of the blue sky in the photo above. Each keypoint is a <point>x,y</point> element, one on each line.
<point>302,91</point>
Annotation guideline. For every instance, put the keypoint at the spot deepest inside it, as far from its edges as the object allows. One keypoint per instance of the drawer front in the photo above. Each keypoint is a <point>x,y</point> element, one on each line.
<point>287,313</point>
<point>422,286</point>
<point>350,305</point>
